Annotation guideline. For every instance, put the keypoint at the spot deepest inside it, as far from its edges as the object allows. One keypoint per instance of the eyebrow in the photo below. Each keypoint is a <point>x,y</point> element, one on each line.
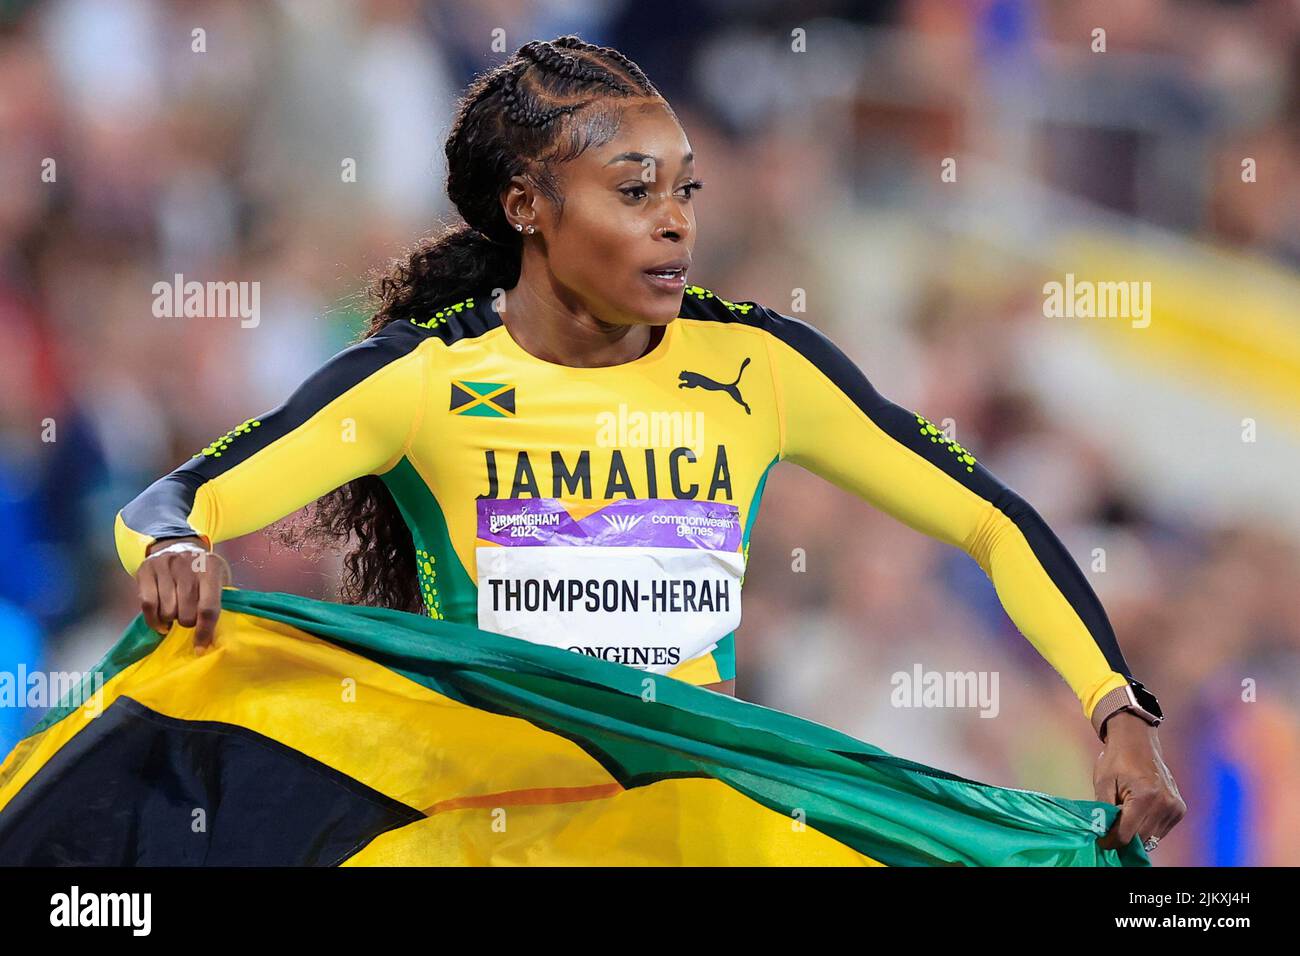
<point>642,157</point>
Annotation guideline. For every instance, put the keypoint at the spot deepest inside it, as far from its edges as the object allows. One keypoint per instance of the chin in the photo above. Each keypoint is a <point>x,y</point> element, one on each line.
<point>661,309</point>
<point>646,306</point>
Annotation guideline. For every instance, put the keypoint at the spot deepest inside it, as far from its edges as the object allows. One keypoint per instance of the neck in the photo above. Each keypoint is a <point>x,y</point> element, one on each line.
<point>548,322</point>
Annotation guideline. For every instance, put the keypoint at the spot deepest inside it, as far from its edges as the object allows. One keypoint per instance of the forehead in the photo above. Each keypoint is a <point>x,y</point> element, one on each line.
<point>647,128</point>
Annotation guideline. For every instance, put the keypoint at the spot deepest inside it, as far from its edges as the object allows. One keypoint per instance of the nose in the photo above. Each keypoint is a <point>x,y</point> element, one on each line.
<point>673,224</point>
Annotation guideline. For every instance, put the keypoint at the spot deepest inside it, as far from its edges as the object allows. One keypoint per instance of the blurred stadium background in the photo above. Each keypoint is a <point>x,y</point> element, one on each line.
<point>1174,449</point>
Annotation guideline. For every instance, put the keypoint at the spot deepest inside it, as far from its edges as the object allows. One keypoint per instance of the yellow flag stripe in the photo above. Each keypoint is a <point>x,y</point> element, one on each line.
<point>678,822</point>
<point>516,798</point>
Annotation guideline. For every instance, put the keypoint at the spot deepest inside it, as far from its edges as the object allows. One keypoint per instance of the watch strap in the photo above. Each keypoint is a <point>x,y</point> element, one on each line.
<point>1123,698</point>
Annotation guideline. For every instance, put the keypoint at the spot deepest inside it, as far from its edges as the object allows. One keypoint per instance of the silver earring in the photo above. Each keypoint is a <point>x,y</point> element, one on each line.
<point>519,227</point>
<point>531,230</point>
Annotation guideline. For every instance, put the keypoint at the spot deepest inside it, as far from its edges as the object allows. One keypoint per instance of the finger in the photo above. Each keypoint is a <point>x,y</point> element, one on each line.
<point>1143,816</point>
<point>166,590</point>
<point>1111,840</point>
<point>1133,813</point>
<point>187,597</point>
<point>209,607</point>
<point>147,585</point>
<point>1135,819</point>
<point>1170,814</point>
<point>1106,788</point>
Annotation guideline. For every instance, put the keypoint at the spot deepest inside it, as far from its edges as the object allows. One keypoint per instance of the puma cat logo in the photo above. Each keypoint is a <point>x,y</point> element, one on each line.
<point>696,380</point>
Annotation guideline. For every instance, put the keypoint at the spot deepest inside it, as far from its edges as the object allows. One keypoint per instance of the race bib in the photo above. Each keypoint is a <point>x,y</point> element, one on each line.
<point>647,582</point>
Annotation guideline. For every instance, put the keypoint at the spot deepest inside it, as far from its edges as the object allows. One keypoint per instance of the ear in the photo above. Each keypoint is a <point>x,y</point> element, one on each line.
<point>519,202</point>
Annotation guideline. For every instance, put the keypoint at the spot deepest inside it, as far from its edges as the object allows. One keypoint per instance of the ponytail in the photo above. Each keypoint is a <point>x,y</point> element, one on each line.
<point>444,268</point>
<point>512,121</point>
<point>380,569</point>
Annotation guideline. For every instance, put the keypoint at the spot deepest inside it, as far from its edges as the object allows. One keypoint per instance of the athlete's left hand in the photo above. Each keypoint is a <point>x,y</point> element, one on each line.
<point>1131,772</point>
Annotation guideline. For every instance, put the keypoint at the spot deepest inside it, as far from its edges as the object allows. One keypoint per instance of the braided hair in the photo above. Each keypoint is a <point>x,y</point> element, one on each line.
<point>510,122</point>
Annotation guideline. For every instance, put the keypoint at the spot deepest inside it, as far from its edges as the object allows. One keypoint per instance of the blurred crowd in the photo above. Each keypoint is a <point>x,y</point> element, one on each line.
<point>129,154</point>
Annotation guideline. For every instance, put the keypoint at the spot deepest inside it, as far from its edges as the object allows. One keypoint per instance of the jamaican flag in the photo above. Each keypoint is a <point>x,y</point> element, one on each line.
<point>322,734</point>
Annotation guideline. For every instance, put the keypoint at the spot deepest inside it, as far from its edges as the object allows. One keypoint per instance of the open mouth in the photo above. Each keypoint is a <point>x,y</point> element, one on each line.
<point>671,277</point>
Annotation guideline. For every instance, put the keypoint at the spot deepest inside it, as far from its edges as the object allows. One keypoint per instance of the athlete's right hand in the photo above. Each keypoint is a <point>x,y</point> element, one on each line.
<point>182,587</point>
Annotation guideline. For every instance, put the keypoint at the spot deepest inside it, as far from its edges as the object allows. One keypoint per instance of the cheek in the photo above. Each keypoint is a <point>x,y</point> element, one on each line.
<point>601,245</point>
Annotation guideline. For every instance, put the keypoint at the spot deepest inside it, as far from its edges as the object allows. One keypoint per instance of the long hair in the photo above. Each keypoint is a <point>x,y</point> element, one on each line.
<point>510,122</point>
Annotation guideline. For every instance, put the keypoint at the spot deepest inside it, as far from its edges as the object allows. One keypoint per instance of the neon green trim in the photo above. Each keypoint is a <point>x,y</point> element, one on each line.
<point>448,591</point>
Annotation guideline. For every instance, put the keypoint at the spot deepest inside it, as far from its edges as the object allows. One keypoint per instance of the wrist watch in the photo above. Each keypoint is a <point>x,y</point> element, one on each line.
<point>1132,697</point>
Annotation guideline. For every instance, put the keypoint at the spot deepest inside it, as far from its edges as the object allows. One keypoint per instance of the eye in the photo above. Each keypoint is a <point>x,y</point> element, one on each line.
<point>694,184</point>
<point>634,189</point>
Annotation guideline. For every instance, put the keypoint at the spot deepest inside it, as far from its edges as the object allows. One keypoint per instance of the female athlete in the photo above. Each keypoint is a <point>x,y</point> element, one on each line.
<point>549,432</point>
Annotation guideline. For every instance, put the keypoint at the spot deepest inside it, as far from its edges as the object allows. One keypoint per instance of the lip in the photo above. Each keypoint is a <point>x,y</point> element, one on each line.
<point>675,284</point>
